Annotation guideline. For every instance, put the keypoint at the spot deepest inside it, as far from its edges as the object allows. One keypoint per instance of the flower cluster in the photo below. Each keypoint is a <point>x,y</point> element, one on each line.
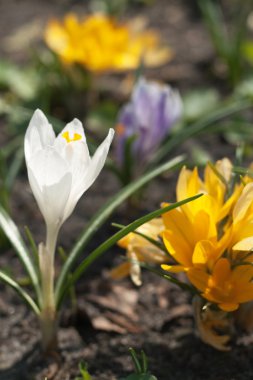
<point>210,238</point>
<point>99,43</point>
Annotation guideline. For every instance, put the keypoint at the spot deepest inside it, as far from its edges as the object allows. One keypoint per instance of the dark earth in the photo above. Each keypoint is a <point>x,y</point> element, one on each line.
<point>108,317</point>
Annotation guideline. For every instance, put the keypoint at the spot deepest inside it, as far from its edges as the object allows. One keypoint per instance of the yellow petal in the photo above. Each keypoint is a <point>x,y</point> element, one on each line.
<point>221,271</point>
<point>243,203</point>
<point>125,241</point>
<point>210,321</point>
<point>173,268</point>
<point>205,253</point>
<point>198,278</point>
<point>178,248</point>
<point>120,271</point>
<point>228,306</point>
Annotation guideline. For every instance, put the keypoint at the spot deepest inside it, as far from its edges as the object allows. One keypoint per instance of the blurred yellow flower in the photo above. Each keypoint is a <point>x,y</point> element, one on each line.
<point>140,250</point>
<point>100,43</point>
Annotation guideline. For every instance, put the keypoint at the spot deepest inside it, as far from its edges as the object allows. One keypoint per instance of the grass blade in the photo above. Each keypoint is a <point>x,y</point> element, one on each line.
<point>12,233</point>
<point>26,297</point>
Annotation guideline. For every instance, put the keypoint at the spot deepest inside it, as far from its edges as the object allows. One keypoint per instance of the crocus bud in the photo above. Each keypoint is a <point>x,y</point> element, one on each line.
<point>147,118</point>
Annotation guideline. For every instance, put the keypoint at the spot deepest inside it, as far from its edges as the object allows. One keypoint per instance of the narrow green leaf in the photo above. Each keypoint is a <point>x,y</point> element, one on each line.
<point>112,240</point>
<point>212,15</point>
<point>174,280</point>
<point>34,248</point>
<point>144,361</point>
<point>15,167</point>
<point>12,233</point>
<point>103,214</point>
<point>128,165</point>
<point>26,297</point>
<point>84,372</point>
<point>243,171</point>
<point>138,368</point>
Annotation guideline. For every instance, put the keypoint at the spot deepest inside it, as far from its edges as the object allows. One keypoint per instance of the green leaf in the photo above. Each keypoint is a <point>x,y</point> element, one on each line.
<point>136,361</point>
<point>26,297</point>
<point>34,249</point>
<point>245,88</point>
<point>113,239</point>
<point>15,167</point>
<point>168,277</point>
<point>243,171</point>
<point>212,15</point>
<point>103,214</point>
<point>247,50</point>
<point>12,233</point>
<point>23,82</point>
<point>199,103</point>
<point>84,372</point>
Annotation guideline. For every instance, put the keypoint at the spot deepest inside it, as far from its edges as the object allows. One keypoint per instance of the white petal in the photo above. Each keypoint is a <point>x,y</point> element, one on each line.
<point>76,153</point>
<point>78,159</point>
<point>79,162</point>
<point>88,175</point>
<point>56,197</point>
<point>37,192</point>
<point>39,134</point>
<point>50,180</point>
<point>52,199</point>
<point>48,166</point>
<point>97,162</point>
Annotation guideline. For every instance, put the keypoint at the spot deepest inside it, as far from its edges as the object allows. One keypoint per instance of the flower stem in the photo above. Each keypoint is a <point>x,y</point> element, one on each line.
<point>48,316</point>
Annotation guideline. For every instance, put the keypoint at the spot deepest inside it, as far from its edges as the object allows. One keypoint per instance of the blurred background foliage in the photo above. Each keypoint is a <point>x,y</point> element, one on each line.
<point>65,88</point>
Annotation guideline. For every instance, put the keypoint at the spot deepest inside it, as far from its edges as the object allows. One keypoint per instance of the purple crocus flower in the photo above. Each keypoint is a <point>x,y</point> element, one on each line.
<point>148,118</point>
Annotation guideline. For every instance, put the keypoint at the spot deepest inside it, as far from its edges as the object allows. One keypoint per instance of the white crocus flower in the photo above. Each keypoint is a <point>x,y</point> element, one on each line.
<point>60,168</point>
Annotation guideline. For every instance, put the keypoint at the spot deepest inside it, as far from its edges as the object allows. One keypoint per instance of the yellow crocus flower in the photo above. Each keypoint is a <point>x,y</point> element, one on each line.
<point>194,234</point>
<point>100,43</point>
